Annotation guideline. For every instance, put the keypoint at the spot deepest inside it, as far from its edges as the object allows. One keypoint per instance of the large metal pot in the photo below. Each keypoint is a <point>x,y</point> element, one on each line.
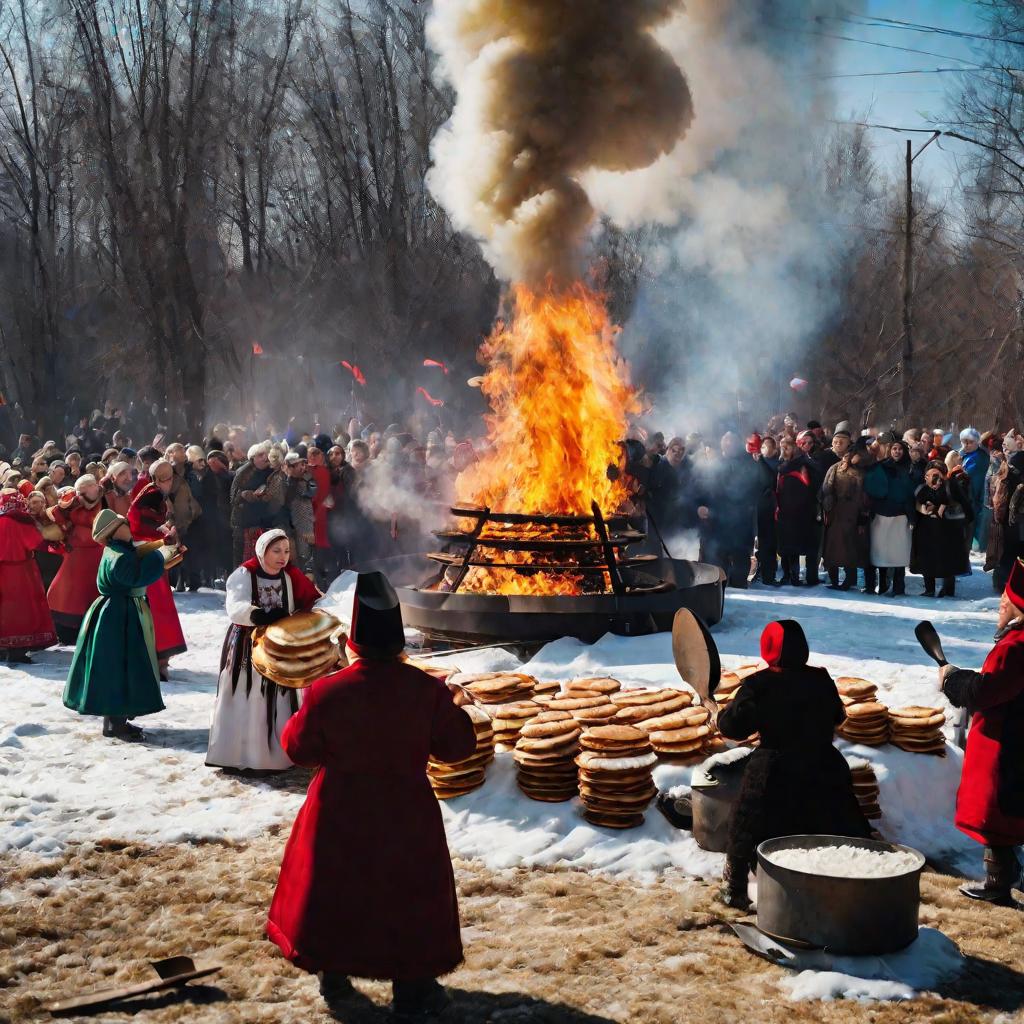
<point>843,915</point>
<point>714,790</point>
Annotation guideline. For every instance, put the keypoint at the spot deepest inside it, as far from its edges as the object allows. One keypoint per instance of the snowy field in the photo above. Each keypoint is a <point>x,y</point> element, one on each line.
<point>61,781</point>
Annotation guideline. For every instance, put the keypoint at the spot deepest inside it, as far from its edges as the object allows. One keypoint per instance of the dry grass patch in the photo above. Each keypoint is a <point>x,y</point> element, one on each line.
<point>544,946</point>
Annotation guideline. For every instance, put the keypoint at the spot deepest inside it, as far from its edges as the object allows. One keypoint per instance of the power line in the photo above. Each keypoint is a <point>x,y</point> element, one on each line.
<point>872,42</point>
<point>874,21</point>
<point>919,71</point>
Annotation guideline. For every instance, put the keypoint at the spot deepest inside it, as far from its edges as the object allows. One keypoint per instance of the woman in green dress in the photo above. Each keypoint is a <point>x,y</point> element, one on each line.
<point>114,672</point>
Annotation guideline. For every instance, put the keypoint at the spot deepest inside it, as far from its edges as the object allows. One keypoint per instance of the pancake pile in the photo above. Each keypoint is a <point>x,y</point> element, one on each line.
<point>727,688</point>
<point>615,775</point>
<point>497,687</point>
<point>676,730</point>
<point>592,686</point>
<point>462,777</point>
<point>509,719</point>
<point>866,722</point>
<point>865,786</point>
<point>544,756</point>
<point>297,650</point>
<point>546,687</point>
<point>855,691</point>
<point>725,693</point>
<point>918,729</point>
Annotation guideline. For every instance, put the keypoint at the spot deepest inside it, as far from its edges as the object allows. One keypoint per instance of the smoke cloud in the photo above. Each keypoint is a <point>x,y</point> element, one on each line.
<point>741,277</point>
<point>548,92</point>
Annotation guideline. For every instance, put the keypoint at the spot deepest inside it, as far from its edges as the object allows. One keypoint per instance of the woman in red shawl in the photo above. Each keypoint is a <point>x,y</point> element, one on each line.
<point>147,517</point>
<point>366,887</point>
<point>25,623</point>
<point>795,782</point>
<point>74,588</point>
<point>990,802</point>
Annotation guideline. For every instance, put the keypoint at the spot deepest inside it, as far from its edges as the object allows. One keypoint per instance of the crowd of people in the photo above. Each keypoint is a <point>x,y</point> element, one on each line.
<point>866,505</point>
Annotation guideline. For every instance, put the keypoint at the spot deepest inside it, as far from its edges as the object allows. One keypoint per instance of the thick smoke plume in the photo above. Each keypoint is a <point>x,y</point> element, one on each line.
<point>547,91</point>
<point>744,272</point>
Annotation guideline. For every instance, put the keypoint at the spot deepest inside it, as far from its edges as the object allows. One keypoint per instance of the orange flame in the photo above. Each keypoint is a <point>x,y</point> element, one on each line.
<point>560,397</point>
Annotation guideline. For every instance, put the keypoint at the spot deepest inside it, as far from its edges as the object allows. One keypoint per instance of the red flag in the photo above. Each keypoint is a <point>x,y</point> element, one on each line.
<point>355,371</point>
<point>437,363</point>
<point>257,348</point>
<point>427,396</point>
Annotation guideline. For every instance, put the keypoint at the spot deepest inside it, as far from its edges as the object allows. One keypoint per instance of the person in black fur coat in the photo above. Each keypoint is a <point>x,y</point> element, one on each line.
<point>796,782</point>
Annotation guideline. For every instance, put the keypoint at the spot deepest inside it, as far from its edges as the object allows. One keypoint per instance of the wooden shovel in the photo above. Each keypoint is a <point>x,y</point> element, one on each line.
<point>171,972</point>
<point>695,654</point>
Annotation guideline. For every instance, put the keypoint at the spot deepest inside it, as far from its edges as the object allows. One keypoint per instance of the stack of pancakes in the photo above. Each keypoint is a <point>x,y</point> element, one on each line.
<point>918,729</point>
<point>727,688</point>
<point>866,722</point>
<point>497,687</point>
<point>676,730</point>
<point>462,777</point>
<point>615,775</point>
<point>509,719</point>
<point>546,687</point>
<point>592,686</point>
<point>544,756</point>
<point>725,693</point>
<point>854,690</point>
<point>298,649</point>
<point>865,785</point>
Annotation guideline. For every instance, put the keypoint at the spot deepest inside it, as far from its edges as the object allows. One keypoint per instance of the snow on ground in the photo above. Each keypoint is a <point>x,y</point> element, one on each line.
<point>931,959</point>
<point>61,781</point>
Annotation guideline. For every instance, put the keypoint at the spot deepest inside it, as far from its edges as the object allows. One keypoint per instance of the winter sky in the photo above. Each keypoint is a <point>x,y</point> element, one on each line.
<point>877,87</point>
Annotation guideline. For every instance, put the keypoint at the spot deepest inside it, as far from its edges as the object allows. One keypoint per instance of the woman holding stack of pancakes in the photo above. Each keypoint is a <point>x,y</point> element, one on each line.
<point>796,782</point>
<point>251,711</point>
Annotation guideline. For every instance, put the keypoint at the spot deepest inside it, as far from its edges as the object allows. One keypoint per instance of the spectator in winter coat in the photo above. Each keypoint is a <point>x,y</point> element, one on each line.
<point>797,496</point>
<point>939,550</point>
<point>668,485</point>
<point>890,487</point>
<point>975,459</point>
<point>220,544</point>
<point>767,460</point>
<point>844,506</point>
<point>299,492</point>
<point>727,499</point>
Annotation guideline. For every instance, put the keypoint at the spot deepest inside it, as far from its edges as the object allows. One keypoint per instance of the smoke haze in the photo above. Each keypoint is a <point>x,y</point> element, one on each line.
<point>548,90</point>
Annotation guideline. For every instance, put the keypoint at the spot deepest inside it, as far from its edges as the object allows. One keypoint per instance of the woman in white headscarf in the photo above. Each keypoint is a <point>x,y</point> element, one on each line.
<point>251,712</point>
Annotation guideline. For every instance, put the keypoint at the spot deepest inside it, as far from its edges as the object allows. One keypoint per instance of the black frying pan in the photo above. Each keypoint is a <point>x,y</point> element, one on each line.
<point>930,642</point>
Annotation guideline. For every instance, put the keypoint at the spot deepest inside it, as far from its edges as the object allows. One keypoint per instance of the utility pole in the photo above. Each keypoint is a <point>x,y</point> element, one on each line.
<point>907,355</point>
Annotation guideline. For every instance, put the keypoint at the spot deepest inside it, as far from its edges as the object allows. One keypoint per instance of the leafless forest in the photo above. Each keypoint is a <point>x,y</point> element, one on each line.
<point>183,182</point>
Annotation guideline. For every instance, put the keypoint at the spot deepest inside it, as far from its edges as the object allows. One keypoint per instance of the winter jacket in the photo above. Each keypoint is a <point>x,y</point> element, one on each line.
<point>938,548</point>
<point>890,487</point>
<point>796,518</point>
<point>976,465</point>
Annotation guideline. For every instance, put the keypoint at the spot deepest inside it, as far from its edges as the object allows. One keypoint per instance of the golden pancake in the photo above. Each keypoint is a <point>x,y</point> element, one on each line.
<point>301,628</point>
<point>639,713</point>
<point>662,736</point>
<point>594,684</point>
<point>636,697</point>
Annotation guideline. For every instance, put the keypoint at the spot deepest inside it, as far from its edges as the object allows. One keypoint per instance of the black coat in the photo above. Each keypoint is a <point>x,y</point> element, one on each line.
<point>795,782</point>
<point>730,488</point>
<point>797,496</point>
<point>669,496</point>
<point>939,549</point>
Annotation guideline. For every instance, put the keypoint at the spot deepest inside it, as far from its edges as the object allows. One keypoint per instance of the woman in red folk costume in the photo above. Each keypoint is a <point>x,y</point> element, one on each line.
<point>25,623</point>
<point>990,802</point>
<point>251,711</point>
<point>148,519</point>
<point>381,901</point>
<point>74,588</point>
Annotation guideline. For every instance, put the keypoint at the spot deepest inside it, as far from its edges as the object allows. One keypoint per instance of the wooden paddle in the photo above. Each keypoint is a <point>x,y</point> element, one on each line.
<point>695,654</point>
<point>170,973</point>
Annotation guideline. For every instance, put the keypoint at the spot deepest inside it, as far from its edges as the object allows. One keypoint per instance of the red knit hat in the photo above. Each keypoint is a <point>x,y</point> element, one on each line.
<point>1015,584</point>
<point>783,644</point>
<point>754,443</point>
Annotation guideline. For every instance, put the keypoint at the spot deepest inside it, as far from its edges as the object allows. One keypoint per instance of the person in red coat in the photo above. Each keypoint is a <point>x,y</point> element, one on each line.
<point>25,622</point>
<point>366,886</point>
<point>74,587</point>
<point>147,518</point>
<point>990,802</point>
